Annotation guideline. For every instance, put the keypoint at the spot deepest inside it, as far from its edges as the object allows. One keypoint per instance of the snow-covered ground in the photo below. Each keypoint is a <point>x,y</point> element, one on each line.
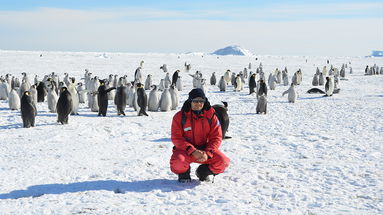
<point>320,155</point>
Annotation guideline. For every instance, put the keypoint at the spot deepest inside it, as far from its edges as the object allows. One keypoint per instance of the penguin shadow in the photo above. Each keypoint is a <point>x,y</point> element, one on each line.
<point>161,140</point>
<point>47,114</point>
<point>311,98</point>
<point>20,125</point>
<point>243,114</point>
<point>95,115</point>
<point>249,100</point>
<point>118,187</point>
<point>11,126</point>
<point>219,92</point>
<point>376,96</point>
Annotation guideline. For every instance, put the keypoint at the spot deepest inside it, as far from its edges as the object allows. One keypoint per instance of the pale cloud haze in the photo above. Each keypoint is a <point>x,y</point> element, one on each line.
<point>346,29</point>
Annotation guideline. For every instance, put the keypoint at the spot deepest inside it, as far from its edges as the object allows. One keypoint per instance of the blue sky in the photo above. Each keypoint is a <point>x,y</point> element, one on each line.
<point>263,27</point>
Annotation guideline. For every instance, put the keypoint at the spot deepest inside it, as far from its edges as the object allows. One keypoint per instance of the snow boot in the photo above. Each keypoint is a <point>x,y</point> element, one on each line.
<point>203,172</point>
<point>184,177</point>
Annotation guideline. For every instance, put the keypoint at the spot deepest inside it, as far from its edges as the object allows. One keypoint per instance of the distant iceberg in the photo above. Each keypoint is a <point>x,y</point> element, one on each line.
<point>377,54</point>
<point>233,50</point>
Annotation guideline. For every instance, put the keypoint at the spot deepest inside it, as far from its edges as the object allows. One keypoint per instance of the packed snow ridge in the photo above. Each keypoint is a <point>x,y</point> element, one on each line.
<point>233,50</point>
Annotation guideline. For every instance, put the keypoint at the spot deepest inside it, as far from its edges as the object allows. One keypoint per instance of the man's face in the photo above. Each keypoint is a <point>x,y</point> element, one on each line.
<point>197,103</point>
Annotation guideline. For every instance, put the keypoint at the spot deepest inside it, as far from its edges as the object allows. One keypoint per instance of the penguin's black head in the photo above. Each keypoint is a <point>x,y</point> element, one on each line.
<point>139,85</point>
<point>27,93</point>
<point>64,89</point>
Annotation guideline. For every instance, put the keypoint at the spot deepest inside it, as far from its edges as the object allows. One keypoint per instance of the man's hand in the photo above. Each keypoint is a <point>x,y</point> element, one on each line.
<point>201,156</point>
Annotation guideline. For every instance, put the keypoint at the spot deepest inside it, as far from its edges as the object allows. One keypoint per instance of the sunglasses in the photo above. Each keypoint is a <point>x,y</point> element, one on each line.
<point>199,101</point>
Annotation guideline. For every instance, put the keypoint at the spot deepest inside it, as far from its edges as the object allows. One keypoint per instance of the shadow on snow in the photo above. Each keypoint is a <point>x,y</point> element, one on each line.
<point>165,185</point>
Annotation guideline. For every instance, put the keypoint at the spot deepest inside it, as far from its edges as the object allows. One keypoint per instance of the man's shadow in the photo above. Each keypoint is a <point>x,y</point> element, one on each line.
<point>165,185</point>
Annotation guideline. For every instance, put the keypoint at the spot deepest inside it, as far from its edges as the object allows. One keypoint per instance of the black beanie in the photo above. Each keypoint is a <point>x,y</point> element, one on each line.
<point>197,92</point>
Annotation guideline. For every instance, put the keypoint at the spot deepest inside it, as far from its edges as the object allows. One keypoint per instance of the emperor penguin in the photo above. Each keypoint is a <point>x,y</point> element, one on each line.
<point>317,72</point>
<point>233,76</point>
<point>329,86</point>
<point>4,90</point>
<point>227,76</point>
<point>102,98</point>
<point>15,83</point>
<point>261,104</point>
<point>24,86</point>
<point>81,92</point>
<point>202,85</point>
<point>292,94</point>
<point>111,80</point>
<point>28,110</point>
<point>245,72</point>
<point>111,94</point>
<point>179,84</point>
<point>41,91</point>
<point>115,81</point>
<point>252,83</point>
<point>14,100</point>
<point>166,100</point>
<point>138,75</point>
<point>272,82</point>
<point>154,99</point>
<point>64,106</point>
<point>213,79</point>
<point>175,77</point>
<point>142,100</point>
<point>278,75</point>
<point>167,81</point>
<point>66,79</point>
<point>315,90</point>
<point>261,88</point>
<point>297,77</point>
<point>187,67</point>
<point>93,97</point>
<point>324,71</point>
<point>52,98</point>
<point>285,78</point>
<point>26,80</point>
<point>131,92</point>
<point>174,96</point>
<point>223,117</point>
<point>73,92</point>
<point>161,86</point>
<point>238,83</point>
<point>120,99</point>
<point>321,79</point>
<point>343,72</point>
<point>315,80</point>
<point>222,84</point>
<point>164,68</point>
<point>148,82</point>
<point>33,94</point>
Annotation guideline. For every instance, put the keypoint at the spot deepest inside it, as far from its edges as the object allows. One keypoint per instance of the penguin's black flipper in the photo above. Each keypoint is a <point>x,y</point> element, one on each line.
<point>227,137</point>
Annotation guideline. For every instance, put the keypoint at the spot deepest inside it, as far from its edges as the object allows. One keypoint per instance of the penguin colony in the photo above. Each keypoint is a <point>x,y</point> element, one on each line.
<point>63,96</point>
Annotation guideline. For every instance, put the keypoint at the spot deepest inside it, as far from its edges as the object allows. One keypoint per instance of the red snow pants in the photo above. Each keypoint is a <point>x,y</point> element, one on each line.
<point>180,162</point>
